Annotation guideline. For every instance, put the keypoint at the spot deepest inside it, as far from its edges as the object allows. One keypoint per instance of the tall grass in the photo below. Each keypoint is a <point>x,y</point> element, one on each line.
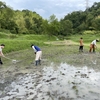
<point>86,37</point>
<point>15,42</point>
<point>20,42</point>
<point>15,45</point>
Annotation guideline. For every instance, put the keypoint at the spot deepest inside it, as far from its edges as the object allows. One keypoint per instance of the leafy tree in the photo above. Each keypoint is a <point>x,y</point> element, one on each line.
<point>37,25</point>
<point>53,25</point>
<point>45,27</point>
<point>66,28</point>
<point>96,24</point>
<point>28,22</point>
<point>6,15</point>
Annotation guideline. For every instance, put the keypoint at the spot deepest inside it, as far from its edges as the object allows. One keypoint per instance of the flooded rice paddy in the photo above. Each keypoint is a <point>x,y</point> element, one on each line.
<point>63,82</point>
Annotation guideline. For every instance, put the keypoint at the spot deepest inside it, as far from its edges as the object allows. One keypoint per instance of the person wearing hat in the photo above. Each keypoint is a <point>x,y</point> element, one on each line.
<point>1,53</point>
<point>93,45</point>
<point>38,53</point>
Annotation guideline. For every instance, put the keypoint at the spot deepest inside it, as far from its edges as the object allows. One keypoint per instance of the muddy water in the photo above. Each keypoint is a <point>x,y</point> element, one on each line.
<point>63,82</point>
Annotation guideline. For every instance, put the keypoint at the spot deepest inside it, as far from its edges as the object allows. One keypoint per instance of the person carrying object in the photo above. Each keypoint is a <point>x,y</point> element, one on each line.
<point>1,53</point>
<point>93,45</point>
<point>38,54</point>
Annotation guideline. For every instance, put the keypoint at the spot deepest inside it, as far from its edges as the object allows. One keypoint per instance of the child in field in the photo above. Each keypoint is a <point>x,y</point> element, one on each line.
<point>93,45</point>
<point>81,45</point>
<point>1,53</point>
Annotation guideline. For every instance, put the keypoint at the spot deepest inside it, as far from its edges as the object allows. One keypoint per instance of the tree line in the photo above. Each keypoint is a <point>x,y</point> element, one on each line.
<point>28,22</point>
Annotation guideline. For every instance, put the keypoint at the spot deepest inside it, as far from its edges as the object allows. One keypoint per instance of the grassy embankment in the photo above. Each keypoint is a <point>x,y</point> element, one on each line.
<point>87,38</point>
<point>21,42</point>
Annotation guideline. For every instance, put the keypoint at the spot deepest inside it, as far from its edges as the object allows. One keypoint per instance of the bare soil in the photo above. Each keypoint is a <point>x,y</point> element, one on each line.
<point>69,54</point>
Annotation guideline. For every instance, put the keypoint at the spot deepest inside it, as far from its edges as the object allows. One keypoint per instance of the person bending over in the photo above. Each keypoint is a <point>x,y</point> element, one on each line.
<point>38,54</point>
<point>93,45</point>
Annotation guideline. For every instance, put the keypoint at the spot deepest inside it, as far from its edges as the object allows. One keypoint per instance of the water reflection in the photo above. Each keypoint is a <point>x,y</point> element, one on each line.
<point>65,82</point>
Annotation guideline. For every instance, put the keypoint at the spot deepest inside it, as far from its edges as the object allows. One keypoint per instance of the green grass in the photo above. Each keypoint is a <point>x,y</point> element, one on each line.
<point>15,45</point>
<point>20,42</point>
<point>36,37</point>
<point>15,42</point>
<point>88,38</point>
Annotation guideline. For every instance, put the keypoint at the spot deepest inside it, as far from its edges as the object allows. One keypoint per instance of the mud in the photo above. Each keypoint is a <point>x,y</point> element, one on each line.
<point>65,74</point>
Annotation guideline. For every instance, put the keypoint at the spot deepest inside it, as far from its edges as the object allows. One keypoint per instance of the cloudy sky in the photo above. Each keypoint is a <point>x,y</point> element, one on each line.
<point>46,8</point>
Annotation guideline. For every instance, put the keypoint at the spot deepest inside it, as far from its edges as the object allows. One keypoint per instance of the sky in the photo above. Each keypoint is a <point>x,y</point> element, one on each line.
<point>46,8</point>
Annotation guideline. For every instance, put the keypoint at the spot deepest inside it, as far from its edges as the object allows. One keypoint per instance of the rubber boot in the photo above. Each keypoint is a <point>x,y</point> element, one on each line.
<point>1,61</point>
<point>36,62</point>
<point>93,50</point>
<point>39,62</point>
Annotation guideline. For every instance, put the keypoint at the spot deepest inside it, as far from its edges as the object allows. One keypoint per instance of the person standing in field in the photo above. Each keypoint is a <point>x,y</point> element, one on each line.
<point>1,53</point>
<point>38,54</point>
<point>93,45</point>
<point>81,45</point>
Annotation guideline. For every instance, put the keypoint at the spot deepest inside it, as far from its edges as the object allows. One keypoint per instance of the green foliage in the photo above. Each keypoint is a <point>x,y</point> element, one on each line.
<point>20,42</point>
<point>84,20</point>
<point>89,32</point>
<point>66,27</point>
<point>53,26</point>
<point>87,38</point>
<point>7,35</point>
<point>28,22</point>
<point>36,37</point>
<point>96,23</point>
<point>15,45</point>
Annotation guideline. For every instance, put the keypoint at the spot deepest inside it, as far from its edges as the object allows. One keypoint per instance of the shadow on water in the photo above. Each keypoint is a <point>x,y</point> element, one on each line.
<point>64,83</point>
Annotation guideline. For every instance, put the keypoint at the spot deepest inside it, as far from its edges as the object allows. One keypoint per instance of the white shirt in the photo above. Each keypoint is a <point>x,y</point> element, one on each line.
<point>93,42</point>
<point>0,51</point>
<point>34,48</point>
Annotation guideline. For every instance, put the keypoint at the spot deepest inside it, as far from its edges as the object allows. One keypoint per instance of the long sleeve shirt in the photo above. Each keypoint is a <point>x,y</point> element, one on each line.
<point>36,48</point>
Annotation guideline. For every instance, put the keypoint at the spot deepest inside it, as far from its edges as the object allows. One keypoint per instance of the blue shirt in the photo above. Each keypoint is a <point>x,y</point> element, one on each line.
<point>36,48</point>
